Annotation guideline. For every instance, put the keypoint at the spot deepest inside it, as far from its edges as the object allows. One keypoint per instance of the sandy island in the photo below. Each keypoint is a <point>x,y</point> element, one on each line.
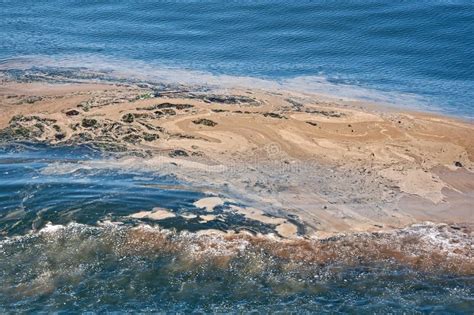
<point>327,164</point>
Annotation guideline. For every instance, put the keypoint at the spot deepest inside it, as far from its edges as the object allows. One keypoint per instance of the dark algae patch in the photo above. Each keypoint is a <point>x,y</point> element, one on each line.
<point>128,118</point>
<point>89,122</point>
<point>72,112</point>
<point>177,153</point>
<point>167,105</point>
<point>150,137</point>
<point>327,113</point>
<point>274,115</point>
<point>205,122</point>
<point>26,128</point>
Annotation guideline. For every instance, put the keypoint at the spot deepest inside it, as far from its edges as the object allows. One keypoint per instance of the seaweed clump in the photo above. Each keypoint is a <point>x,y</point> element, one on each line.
<point>205,122</point>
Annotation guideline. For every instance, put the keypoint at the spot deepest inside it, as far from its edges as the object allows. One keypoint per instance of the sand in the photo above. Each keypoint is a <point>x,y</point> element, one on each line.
<point>335,166</point>
<point>155,214</point>
<point>209,203</point>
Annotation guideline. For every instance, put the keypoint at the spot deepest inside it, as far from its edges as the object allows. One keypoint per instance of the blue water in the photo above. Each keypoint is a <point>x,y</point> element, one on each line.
<point>41,184</point>
<point>59,254</point>
<point>420,53</point>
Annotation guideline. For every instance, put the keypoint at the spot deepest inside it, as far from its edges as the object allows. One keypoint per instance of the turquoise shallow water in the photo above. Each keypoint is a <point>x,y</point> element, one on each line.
<point>409,53</point>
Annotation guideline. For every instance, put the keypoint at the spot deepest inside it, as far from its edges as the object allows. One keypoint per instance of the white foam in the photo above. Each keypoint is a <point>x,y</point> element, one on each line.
<point>52,228</point>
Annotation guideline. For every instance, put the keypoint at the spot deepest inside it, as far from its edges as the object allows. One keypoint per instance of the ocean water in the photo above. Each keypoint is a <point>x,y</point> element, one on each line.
<point>67,241</point>
<point>68,244</point>
<point>416,54</point>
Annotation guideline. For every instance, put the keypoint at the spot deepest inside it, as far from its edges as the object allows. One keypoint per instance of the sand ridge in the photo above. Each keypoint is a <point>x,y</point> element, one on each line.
<point>336,165</point>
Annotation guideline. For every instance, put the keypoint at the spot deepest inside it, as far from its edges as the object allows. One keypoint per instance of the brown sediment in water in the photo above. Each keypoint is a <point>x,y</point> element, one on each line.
<point>66,255</point>
<point>428,247</point>
<point>334,166</point>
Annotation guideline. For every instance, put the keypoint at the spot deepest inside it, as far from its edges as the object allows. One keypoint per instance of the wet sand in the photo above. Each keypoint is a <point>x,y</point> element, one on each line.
<point>323,163</point>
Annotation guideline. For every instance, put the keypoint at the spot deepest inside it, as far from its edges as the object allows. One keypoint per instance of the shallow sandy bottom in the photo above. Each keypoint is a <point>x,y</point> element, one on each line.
<point>333,166</point>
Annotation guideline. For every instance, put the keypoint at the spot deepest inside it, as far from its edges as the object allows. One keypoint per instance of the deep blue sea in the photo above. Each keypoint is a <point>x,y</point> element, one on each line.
<point>416,54</point>
<point>67,241</point>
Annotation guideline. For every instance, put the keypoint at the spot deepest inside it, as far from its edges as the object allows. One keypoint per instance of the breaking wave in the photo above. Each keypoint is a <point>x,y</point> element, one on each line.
<point>117,267</point>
